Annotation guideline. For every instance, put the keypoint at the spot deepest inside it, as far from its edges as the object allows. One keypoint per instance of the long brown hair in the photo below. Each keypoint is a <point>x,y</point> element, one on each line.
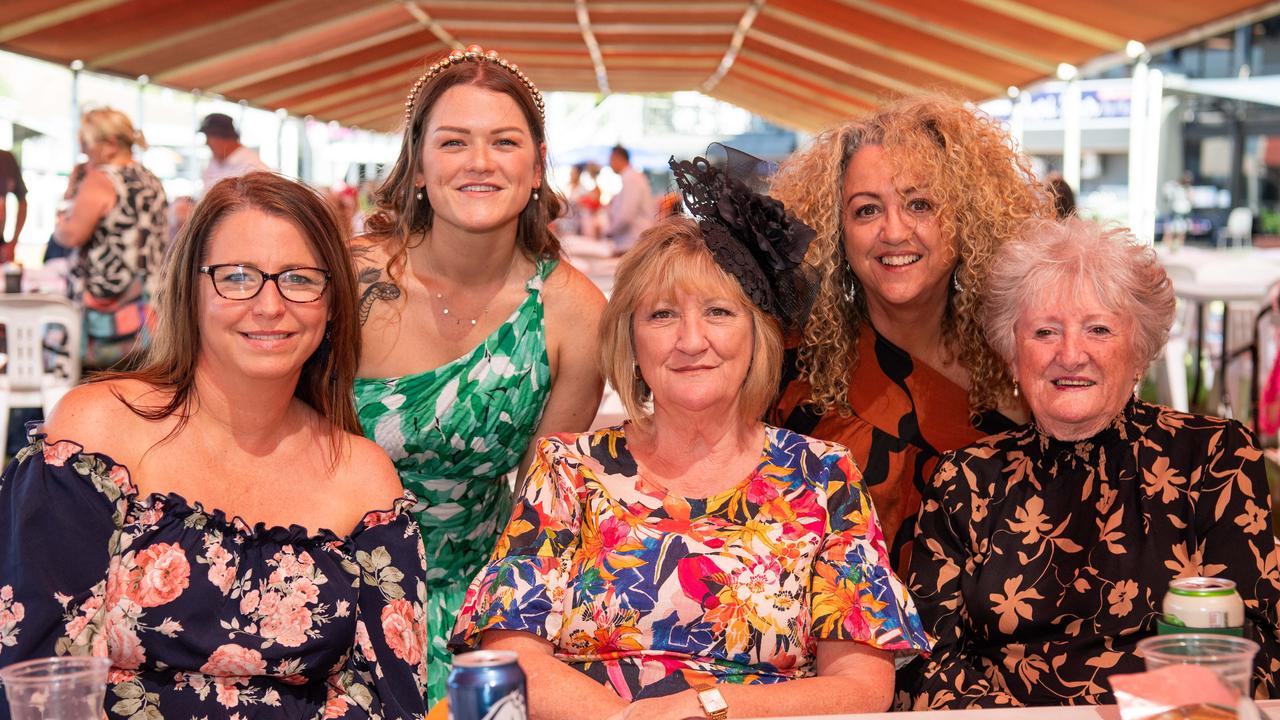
<point>170,361</point>
<point>400,214</point>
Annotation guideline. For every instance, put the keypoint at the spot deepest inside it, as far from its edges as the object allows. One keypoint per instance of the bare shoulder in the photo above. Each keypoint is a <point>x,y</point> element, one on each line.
<point>368,473</point>
<point>370,256</point>
<point>96,188</point>
<point>369,249</point>
<point>570,297</point>
<point>97,414</point>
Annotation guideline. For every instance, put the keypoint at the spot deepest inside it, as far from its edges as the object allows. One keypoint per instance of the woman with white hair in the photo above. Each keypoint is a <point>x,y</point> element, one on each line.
<point>1044,553</point>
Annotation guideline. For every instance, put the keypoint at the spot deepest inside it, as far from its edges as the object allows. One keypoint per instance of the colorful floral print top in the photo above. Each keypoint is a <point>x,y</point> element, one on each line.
<point>201,615</point>
<point>1041,563</point>
<point>648,591</point>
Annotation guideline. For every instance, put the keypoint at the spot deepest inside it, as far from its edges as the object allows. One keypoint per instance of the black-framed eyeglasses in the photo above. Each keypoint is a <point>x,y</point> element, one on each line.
<point>244,282</point>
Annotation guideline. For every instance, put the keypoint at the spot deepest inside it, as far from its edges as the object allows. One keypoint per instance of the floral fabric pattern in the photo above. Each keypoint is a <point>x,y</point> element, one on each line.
<point>454,433</point>
<point>202,615</point>
<point>646,591</point>
<point>1041,563</point>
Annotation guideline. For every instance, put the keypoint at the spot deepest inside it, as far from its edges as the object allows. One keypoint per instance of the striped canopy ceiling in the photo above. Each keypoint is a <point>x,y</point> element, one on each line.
<point>800,63</point>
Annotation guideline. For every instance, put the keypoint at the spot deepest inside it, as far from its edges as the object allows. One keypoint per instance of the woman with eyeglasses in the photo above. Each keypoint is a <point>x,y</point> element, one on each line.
<point>213,522</point>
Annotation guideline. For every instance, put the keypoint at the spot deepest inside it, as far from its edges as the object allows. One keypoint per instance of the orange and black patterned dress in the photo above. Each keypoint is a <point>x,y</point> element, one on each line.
<point>905,414</point>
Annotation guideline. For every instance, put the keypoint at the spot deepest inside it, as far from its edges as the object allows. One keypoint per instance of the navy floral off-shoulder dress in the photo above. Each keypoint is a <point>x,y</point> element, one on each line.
<point>203,615</point>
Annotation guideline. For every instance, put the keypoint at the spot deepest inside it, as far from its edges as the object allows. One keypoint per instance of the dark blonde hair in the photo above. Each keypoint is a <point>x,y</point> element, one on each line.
<point>110,125</point>
<point>669,257</point>
<point>1049,260</point>
<point>983,191</point>
<point>170,360</point>
<point>399,214</point>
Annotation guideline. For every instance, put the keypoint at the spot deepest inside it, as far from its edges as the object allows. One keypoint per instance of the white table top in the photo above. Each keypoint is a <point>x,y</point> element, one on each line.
<point>1232,276</point>
<point>1270,708</point>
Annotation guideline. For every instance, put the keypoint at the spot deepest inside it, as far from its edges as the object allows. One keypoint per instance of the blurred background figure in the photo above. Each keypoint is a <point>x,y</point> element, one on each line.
<point>11,184</point>
<point>342,199</point>
<point>632,210</point>
<point>1064,199</point>
<point>584,202</point>
<point>117,227</point>
<point>1178,195</point>
<point>230,158</point>
<point>179,212</point>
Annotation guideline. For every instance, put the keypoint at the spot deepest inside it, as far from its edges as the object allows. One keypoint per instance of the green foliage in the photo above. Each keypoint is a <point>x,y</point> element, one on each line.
<point>1269,222</point>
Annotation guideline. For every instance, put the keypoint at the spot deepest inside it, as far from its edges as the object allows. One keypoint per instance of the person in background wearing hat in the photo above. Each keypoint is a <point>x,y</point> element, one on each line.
<point>230,158</point>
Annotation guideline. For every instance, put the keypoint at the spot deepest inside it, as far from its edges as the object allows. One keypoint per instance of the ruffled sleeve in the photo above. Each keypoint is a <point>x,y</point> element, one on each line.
<point>854,593</point>
<point>523,586</point>
<point>385,674</point>
<point>60,516</point>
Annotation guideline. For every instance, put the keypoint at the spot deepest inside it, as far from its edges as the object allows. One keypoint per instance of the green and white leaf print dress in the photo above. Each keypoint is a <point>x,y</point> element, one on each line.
<point>454,433</point>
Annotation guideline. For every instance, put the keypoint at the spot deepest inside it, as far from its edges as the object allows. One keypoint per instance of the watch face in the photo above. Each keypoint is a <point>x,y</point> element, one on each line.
<point>712,701</point>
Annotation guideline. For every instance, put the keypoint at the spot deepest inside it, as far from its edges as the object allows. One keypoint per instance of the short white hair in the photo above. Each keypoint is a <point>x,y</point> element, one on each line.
<point>1080,256</point>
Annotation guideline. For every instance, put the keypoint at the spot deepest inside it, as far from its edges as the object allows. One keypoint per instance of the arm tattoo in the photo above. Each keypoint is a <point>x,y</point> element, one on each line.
<point>377,288</point>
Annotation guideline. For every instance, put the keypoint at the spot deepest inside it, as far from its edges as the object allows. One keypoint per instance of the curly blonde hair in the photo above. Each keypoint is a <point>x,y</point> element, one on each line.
<point>983,190</point>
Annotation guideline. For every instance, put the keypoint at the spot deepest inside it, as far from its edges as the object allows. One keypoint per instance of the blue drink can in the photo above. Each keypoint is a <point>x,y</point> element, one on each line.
<point>487,685</point>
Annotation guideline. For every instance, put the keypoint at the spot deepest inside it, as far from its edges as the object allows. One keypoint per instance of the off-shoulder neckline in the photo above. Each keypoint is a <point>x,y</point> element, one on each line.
<point>177,504</point>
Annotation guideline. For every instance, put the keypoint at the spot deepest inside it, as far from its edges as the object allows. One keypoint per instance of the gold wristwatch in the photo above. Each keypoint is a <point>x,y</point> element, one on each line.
<point>713,704</point>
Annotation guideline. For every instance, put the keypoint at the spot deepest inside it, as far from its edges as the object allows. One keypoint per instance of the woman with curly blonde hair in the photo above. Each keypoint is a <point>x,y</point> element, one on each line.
<point>909,205</point>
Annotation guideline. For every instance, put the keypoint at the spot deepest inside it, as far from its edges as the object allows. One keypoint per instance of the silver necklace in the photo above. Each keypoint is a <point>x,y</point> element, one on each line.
<point>444,304</point>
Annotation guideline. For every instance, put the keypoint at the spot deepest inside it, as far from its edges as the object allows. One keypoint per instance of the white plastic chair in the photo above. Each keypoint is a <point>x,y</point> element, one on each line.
<point>1239,229</point>
<point>26,382</point>
<point>1172,371</point>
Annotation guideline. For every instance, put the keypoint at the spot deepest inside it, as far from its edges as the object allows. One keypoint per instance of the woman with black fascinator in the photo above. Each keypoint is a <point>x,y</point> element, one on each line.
<point>694,559</point>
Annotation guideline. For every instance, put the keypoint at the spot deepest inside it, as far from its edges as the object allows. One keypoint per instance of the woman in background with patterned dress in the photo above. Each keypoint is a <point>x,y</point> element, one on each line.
<point>476,337</point>
<point>117,228</point>
<point>1044,553</point>
<point>909,205</point>
<point>183,520</point>
<point>695,560</point>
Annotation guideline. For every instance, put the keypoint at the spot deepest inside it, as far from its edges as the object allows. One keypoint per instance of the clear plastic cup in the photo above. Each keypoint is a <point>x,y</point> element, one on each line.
<point>59,688</point>
<point>1230,657</point>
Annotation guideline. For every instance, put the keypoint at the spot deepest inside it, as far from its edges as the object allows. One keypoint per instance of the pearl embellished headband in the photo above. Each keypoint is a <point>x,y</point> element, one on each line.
<point>473,53</point>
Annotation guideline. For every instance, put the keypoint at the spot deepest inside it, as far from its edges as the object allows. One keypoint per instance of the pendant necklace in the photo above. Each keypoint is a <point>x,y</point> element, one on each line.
<point>444,309</point>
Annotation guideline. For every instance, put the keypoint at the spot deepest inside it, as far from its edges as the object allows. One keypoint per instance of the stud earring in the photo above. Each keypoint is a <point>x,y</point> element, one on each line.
<point>535,195</point>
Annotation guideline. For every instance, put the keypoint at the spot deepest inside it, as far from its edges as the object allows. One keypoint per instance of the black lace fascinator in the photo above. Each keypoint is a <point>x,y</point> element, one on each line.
<point>751,235</point>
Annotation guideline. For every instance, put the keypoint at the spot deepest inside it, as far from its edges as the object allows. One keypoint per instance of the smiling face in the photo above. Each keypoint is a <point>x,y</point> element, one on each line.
<point>479,162</point>
<point>1074,362</point>
<point>893,237</point>
<point>266,336</point>
<point>693,349</point>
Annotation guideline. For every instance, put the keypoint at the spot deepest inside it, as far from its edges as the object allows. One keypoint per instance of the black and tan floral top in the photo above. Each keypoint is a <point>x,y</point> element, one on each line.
<point>1040,563</point>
